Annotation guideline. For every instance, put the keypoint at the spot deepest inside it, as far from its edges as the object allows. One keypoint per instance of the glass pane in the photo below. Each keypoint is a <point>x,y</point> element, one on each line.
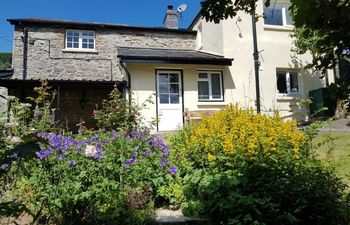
<point>69,33</point>
<point>203,75</point>
<point>174,78</point>
<point>91,34</point>
<point>69,39</point>
<point>163,88</point>
<point>76,45</point>
<point>84,45</point>
<point>174,99</point>
<point>273,15</point>
<point>84,33</point>
<point>203,90</point>
<point>164,99</point>
<point>84,40</point>
<point>174,88</point>
<point>215,86</point>
<point>294,87</point>
<point>69,45</point>
<point>76,39</point>
<point>281,83</point>
<point>163,78</point>
<point>91,46</point>
<point>75,34</point>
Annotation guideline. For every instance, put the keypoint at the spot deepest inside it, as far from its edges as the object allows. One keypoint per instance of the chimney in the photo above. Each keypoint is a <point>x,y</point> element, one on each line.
<point>171,18</point>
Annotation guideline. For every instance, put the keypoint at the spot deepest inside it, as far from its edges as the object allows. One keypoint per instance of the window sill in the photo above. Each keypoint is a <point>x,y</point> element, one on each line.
<point>212,103</point>
<point>278,28</point>
<point>80,50</point>
<point>288,97</point>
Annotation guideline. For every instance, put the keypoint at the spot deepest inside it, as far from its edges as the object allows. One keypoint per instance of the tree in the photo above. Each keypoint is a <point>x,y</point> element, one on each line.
<point>322,27</point>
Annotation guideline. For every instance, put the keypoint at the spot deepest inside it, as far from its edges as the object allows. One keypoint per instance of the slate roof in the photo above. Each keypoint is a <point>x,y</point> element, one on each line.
<point>171,56</point>
<point>91,25</point>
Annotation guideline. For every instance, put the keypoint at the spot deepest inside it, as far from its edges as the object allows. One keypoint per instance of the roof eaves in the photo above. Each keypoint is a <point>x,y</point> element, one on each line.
<point>67,23</point>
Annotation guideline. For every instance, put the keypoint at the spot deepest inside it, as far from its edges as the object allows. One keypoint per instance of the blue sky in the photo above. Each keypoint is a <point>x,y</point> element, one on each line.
<point>132,12</point>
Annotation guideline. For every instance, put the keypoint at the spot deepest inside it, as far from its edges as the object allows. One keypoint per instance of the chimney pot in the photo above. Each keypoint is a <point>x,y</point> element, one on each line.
<point>170,7</point>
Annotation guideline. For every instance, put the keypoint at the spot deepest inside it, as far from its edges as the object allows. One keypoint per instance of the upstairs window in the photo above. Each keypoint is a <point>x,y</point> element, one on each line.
<point>287,82</point>
<point>210,86</point>
<point>278,14</point>
<point>80,39</point>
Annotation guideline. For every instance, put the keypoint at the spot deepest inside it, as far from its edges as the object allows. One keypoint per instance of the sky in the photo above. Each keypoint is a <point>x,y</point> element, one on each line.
<point>131,12</point>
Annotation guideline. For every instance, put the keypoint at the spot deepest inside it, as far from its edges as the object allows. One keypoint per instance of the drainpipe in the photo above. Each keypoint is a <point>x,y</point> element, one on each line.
<point>256,59</point>
<point>129,81</point>
<point>25,52</point>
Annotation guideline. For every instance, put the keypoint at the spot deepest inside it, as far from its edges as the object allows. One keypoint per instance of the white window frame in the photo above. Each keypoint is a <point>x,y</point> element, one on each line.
<point>284,16</point>
<point>80,40</point>
<point>208,79</point>
<point>288,83</point>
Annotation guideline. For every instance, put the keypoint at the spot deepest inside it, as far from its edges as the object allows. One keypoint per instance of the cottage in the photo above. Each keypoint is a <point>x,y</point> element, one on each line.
<point>179,69</point>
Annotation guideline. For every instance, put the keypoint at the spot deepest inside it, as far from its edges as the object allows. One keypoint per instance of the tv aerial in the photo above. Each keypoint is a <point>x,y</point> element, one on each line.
<point>181,8</point>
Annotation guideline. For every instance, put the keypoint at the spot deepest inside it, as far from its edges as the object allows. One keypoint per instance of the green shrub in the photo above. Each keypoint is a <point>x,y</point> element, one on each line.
<point>239,168</point>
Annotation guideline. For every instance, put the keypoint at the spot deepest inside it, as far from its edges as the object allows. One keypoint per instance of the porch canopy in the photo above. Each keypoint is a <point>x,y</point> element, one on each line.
<point>170,56</point>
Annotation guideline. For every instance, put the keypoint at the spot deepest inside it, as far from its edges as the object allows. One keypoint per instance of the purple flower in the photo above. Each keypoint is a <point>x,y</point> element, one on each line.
<point>165,152</point>
<point>146,153</point>
<point>42,154</point>
<point>14,155</point>
<point>130,161</point>
<point>113,134</point>
<point>134,154</point>
<point>5,166</point>
<point>79,151</point>
<point>59,157</point>
<point>72,163</point>
<point>172,170</point>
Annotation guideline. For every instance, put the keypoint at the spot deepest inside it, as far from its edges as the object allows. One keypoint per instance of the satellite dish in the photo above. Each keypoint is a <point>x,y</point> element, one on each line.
<point>182,8</point>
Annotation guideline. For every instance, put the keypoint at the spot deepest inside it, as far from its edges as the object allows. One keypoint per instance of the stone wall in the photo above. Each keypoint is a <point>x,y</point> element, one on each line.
<point>75,104</point>
<point>3,100</point>
<point>47,58</point>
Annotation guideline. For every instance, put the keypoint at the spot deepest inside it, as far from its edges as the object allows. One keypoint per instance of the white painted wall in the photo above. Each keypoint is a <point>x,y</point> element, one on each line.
<point>274,44</point>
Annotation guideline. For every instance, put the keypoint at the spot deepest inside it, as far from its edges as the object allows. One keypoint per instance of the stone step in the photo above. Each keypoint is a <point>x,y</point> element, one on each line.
<point>175,217</point>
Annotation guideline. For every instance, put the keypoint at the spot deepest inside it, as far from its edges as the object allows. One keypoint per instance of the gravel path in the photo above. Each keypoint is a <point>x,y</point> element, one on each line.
<point>341,125</point>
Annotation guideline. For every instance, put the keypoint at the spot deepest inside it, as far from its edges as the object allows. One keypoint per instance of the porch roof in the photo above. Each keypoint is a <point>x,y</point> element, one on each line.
<point>170,56</point>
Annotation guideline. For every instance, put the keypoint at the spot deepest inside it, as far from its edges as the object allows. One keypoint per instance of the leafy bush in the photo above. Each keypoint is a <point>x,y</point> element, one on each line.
<point>241,168</point>
<point>94,177</point>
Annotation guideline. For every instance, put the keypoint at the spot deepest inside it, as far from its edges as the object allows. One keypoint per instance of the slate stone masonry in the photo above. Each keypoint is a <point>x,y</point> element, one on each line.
<point>48,59</point>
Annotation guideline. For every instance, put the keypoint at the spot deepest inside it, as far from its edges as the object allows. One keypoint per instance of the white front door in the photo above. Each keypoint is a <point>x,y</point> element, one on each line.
<point>169,100</point>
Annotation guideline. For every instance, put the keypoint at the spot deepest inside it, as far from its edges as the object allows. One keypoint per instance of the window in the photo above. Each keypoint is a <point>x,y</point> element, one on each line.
<point>76,39</point>
<point>277,14</point>
<point>210,86</point>
<point>287,82</point>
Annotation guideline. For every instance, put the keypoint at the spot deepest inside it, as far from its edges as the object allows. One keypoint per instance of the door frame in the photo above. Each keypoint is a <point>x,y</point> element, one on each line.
<point>181,94</point>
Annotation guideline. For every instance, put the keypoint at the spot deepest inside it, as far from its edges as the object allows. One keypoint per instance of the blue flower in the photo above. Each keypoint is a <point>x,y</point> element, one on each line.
<point>59,157</point>
<point>146,153</point>
<point>172,170</point>
<point>72,163</point>
<point>5,166</point>
<point>14,155</point>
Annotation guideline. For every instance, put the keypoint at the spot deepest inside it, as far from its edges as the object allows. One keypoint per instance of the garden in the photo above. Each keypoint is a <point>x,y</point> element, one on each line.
<point>234,167</point>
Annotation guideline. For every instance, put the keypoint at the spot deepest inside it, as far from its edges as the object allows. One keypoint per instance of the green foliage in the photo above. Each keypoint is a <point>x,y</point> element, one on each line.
<point>323,32</point>
<point>118,113</point>
<point>277,186</point>
<point>5,60</point>
<point>213,10</point>
<point>94,177</point>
